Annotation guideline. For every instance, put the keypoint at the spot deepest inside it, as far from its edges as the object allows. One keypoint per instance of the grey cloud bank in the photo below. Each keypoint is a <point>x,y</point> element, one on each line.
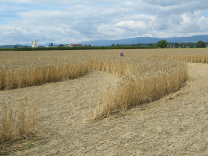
<point>75,21</point>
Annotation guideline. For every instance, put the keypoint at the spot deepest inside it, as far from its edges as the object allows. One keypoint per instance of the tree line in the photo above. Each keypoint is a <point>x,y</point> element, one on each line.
<point>164,44</point>
<point>159,44</point>
<point>76,48</point>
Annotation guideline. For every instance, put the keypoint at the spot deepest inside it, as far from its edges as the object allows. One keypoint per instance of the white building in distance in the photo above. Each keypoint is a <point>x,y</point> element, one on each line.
<point>35,44</point>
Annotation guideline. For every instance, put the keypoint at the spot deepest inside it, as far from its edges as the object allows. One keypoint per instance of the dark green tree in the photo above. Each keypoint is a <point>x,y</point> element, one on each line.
<point>192,45</point>
<point>201,44</point>
<point>150,44</point>
<point>176,45</point>
<point>61,45</point>
<point>162,44</point>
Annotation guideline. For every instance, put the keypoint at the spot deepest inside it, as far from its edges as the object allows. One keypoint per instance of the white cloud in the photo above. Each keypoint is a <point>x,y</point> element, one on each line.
<point>131,24</point>
<point>17,1</point>
<point>74,21</point>
<point>109,31</point>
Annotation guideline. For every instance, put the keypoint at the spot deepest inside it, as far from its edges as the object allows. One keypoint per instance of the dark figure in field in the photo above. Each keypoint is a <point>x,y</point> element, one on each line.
<point>121,53</point>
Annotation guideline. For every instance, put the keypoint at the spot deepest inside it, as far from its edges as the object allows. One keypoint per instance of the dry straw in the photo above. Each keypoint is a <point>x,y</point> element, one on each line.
<point>18,122</point>
<point>146,80</point>
<point>141,80</point>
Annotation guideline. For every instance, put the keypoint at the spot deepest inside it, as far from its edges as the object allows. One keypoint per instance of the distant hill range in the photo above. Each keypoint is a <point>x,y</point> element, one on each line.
<point>11,46</point>
<point>146,40</point>
<point>128,41</point>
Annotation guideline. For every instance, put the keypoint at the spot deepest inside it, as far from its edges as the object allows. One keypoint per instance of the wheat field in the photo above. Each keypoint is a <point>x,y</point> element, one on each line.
<point>143,76</point>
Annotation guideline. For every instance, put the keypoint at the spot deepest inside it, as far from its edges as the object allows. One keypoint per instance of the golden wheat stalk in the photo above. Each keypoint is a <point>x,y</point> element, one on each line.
<point>17,123</point>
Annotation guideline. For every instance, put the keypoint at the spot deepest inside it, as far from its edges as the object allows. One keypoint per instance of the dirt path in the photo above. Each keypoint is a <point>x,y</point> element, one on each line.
<point>174,125</point>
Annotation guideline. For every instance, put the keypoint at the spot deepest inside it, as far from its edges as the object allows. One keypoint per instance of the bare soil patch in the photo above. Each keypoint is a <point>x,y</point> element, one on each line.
<point>174,125</point>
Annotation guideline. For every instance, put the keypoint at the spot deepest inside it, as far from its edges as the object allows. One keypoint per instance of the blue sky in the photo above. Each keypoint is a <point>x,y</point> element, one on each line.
<point>205,13</point>
<point>67,21</point>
